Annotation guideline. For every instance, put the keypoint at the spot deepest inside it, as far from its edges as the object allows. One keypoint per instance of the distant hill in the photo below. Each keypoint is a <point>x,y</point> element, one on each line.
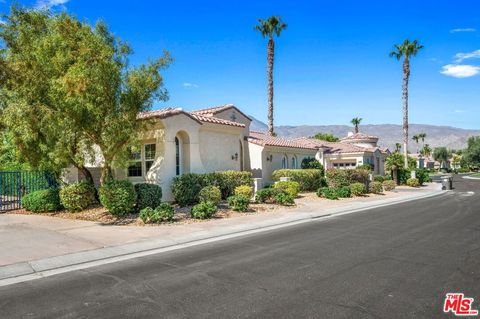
<point>389,134</point>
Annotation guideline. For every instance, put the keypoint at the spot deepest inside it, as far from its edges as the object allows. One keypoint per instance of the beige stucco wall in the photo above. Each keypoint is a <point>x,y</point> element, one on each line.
<point>217,146</point>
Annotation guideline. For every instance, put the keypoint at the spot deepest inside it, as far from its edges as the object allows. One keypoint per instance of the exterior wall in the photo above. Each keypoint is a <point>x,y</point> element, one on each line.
<point>217,147</point>
<point>343,159</point>
<point>257,159</point>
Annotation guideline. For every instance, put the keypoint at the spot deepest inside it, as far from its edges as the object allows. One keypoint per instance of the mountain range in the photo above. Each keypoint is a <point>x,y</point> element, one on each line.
<point>389,134</point>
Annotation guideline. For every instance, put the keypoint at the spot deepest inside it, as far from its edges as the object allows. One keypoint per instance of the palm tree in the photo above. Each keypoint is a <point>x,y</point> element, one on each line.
<point>356,122</point>
<point>269,28</point>
<point>406,50</point>
<point>416,138</point>
<point>422,136</point>
<point>393,163</point>
<point>426,150</point>
<point>398,147</point>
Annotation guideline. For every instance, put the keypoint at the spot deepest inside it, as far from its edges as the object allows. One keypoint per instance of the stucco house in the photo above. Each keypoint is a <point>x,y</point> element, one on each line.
<point>219,138</point>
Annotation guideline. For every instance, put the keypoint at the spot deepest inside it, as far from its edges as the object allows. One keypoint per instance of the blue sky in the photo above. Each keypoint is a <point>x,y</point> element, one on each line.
<point>332,62</point>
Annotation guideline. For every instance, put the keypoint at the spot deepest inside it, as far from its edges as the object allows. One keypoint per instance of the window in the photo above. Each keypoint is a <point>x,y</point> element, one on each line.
<point>177,156</point>
<point>284,162</point>
<point>135,168</point>
<point>294,162</point>
<point>149,156</point>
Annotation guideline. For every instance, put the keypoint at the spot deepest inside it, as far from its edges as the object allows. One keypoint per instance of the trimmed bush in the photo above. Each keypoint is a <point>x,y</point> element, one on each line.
<point>244,190</point>
<point>210,194</point>
<point>378,178</point>
<point>389,185</point>
<point>358,189</point>
<point>284,198</point>
<point>365,166</point>
<point>290,187</point>
<point>337,178</point>
<point>328,193</point>
<point>423,176</point>
<point>375,187</point>
<point>118,197</point>
<point>358,175</point>
<point>344,192</point>
<point>312,163</point>
<point>308,179</point>
<point>239,202</point>
<point>164,212</point>
<point>274,196</point>
<point>203,210</point>
<point>78,196</point>
<point>186,188</point>
<point>148,195</point>
<point>228,181</point>
<point>47,200</point>
<point>413,182</point>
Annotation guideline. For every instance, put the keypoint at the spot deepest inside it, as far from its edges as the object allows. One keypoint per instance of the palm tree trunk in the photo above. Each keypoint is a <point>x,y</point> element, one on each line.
<point>406,75</point>
<point>107,175</point>
<point>356,128</point>
<point>270,56</point>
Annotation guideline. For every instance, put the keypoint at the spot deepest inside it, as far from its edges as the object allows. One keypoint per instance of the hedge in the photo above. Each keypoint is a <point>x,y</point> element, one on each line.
<point>148,195</point>
<point>47,200</point>
<point>290,187</point>
<point>308,179</point>
<point>78,196</point>
<point>118,197</point>
<point>210,194</point>
<point>337,178</point>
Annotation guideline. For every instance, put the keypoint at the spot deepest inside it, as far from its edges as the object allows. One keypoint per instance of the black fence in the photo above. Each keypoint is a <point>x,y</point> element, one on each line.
<point>14,185</point>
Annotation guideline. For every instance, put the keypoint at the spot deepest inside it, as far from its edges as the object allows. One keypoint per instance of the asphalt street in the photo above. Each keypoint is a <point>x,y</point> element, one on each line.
<point>390,262</point>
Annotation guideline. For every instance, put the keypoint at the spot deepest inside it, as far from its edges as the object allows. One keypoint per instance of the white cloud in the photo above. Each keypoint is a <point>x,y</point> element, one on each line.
<point>47,4</point>
<point>459,57</point>
<point>463,30</point>
<point>459,111</point>
<point>190,85</point>
<point>460,70</point>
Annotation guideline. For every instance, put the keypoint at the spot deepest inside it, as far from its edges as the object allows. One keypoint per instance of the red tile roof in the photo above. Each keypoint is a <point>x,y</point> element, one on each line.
<point>360,136</point>
<point>336,148</point>
<point>217,109</point>
<point>216,120</point>
<point>264,139</point>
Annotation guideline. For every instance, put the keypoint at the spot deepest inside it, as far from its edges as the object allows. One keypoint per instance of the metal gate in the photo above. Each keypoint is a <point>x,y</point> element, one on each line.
<point>13,185</point>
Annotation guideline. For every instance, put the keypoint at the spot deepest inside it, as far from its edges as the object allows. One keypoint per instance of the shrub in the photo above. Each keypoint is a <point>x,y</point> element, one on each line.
<point>186,188</point>
<point>203,210</point>
<point>244,190</point>
<point>266,195</point>
<point>413,182</point>
<point>328,193</point>
<point>239,202</point>
<point>358,175</point>
<point>323,182</point>
<point>228,181</point>
<point>365,166</point>
<point>284,198</point>
<point>164,212</point>
<point>404,175</point>
<point>378,178</point>
<point>387,178</point>
<point>290,187</point>
<point>344,192</point>
<point>358,189</point>
<point>423,176</point>
<point>118,197</point>
<point>312,163</point>
<point>375,187</point>
<point>210,194</point>
<point>338,178</point>
<point>308,179</point>
<point>78,196</point>
<point>389,185</point>
<point>148,195</point>
<point>47,200</point>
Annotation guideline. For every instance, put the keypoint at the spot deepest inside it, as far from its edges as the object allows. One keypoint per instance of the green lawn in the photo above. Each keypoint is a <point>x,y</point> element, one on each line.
<point>476,175</point>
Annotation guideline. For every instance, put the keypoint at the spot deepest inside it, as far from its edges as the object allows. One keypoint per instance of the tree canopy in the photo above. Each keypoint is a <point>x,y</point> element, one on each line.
<point>471,155</point>
<point>69,95</point>
<point>326,137</point>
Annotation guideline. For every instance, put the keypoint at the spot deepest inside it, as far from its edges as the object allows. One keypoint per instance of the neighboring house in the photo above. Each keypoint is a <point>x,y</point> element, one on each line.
<point>424,161</point>
<point>219,138</point>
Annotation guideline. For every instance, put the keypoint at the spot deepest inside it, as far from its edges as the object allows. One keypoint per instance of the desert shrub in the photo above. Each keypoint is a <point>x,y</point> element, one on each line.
<point>274,196</point>
<point>338,178</point>
<point>290,187</point>
<point>358,175</point>
<point>284,198</point>
<point>186,188</point>
<point>404,175</point>
<point>204,210</point>
<point>423,176</point>
<point>228,181</point>
<point>323,182</point>
<point>365,166</point>
<point>375,187</point>
<point>244,190</point>
<point>344,192</point>
<point>358,189</point>
<point>312,163</point>
<point>78,196</point>
<point>164,212</point>
<point>148,195</point>
<point>308,179</point>
<point>118,197</point>
<point>46,200</point>
<point>328,193</point>
<point>239,202</point>
<point>378,178</point>
<point>389,185</point>
<point>413,182</point>
<point>210,194</point>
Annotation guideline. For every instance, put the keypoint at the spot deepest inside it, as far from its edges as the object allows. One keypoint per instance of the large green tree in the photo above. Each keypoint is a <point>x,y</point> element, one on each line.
<point>406,50</point>
<point>441,154</point>
<point>329,137</point>
<point>471,155</point>
<point>269,28</point>
<point>68,93</point>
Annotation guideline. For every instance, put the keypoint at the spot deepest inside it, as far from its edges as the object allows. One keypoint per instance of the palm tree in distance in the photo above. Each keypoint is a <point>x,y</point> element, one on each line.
<point>426,150</point>
<point>398,147</point>
<point>422,136</point>
<point>406,50</point>
<point>416,138</point>
<point>270,27</point>
<point>356,122</point>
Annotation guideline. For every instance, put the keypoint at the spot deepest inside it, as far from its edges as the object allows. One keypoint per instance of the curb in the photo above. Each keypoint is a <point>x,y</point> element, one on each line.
<point>471,177</point>
<point>36,269</point>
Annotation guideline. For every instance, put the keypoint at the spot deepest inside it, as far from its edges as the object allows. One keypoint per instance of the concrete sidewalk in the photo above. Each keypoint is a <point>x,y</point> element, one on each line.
<point>36,246</point>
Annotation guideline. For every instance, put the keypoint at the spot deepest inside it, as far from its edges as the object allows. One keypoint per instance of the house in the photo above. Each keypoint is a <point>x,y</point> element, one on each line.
<point>219,138</point>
